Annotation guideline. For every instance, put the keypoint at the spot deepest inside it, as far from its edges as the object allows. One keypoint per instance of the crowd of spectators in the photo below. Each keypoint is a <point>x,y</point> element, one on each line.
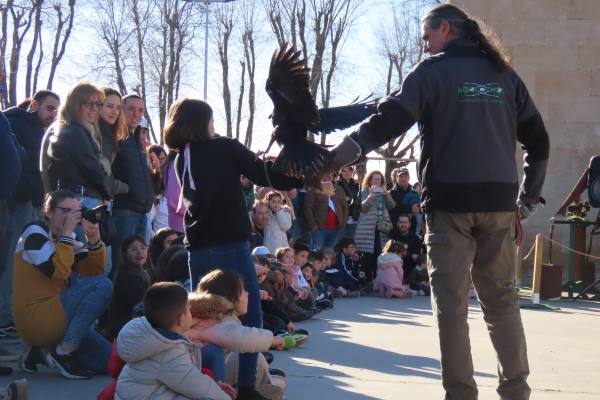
<point>93,226</point>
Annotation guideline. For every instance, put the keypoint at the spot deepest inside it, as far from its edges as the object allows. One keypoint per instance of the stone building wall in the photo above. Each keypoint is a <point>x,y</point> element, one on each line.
<point>555,47</point>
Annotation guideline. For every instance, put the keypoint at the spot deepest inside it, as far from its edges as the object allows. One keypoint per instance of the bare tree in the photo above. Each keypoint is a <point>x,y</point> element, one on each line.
<point>248,40</point>
<point>240,104</point>
<point>401,50</point>
<point>61,36</point>
<point>169,37</point>
<point>114,29</point>
<point>319,28</point>
<point>30,79</point>
<point>224,23</point>
<point>21,22</point>
<point>140,15</point>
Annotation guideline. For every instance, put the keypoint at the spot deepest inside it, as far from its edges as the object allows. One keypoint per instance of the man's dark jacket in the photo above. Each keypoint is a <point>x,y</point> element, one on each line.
<point>29,132</point>
<point>131,166</point>
<point>470,116</point>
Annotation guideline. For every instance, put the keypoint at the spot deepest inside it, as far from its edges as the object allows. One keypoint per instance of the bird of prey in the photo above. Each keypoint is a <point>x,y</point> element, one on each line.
<point>295,114</point>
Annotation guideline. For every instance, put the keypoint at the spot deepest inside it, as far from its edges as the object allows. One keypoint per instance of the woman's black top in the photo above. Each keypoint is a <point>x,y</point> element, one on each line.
<point>216,210</point>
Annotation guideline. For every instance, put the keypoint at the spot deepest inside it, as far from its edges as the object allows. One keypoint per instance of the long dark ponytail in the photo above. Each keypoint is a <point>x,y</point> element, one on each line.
<point>464,26</point>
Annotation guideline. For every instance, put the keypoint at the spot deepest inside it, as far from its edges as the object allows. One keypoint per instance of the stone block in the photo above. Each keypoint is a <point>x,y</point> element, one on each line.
<point>572,33</point>
<point>481,9</point>
<point>562,83</point>
<point>584,9</point>
<point>595,91</point>
<point>521,33</point>
<point>575,109</point>
<point>545,57</point>
<point>546,10</point>
<point>588,57</point>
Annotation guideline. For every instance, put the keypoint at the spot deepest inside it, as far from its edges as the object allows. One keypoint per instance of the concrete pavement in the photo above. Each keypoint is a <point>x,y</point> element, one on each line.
<point>374,348</point>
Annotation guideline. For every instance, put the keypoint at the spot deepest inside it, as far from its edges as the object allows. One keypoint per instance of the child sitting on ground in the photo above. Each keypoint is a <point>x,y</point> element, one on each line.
<point>389,281</point>
<point>279,223</point>
<point>275,318</point>
<point>215,306</point>
<point>343,274</point>
<point>132,280</point>
<point>419,280</point>
<point>161,362</point>
<point>323,293</point>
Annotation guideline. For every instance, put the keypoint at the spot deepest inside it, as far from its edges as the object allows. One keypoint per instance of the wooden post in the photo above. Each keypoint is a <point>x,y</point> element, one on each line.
<point>537,269</point>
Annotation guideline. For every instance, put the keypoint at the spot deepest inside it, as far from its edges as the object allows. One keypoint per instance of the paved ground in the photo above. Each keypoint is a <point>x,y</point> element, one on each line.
<point>372,348</point>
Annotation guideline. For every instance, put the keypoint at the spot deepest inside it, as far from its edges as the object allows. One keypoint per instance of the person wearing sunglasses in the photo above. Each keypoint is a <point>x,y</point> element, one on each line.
<point>72,149</point>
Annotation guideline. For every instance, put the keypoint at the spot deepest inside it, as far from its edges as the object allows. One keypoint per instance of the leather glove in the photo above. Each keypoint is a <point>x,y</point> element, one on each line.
<point>527,209</point>
<point>348,152</point>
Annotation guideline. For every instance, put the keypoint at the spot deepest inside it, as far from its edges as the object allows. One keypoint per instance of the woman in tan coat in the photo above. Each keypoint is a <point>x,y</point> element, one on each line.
<point>371,231</point>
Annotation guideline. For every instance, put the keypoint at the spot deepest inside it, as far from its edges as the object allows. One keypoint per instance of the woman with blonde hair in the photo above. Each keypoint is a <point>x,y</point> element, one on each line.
<point>374,223</point>
<point>71,148</point>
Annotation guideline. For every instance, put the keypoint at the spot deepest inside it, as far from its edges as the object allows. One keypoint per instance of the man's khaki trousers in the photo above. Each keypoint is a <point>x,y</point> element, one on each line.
<point>484,244</point>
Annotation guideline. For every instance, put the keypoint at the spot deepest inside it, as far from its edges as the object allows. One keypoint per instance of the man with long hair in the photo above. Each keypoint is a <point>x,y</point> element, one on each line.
<point>471,108</point>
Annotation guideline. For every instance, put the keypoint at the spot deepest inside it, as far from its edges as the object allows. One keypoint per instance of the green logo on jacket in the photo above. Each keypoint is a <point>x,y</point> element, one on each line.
<point>470,92</point>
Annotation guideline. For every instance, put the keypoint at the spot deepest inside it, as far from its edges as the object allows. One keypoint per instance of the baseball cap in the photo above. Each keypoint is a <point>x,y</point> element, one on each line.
<point>403,171</point>
<point>144,123</point>
<point>261,251</point>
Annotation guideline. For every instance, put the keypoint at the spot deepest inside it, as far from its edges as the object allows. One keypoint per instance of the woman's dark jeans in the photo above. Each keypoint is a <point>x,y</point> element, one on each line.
<point>233,256</point>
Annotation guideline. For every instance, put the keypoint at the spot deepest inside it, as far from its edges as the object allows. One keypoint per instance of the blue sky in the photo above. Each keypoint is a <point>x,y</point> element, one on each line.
<point>360,74</point>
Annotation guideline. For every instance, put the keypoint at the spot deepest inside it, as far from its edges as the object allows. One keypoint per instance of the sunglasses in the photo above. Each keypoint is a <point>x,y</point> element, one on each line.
<point>91,104</point>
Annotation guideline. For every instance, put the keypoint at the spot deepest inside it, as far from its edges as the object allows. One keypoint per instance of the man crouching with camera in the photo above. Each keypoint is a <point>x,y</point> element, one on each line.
<point>60,290</point>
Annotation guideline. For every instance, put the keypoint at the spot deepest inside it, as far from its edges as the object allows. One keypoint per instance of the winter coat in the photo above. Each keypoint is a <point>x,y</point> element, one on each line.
<point>390,273</point>
<point>344,273</point>
<point>72,159</point>
<point>276,230</point>
<point>316,207</point>
<point>352,191</point>
<point>42,267</point>
<point>225,330</point>
<point>367,223</point>
<point>131,167</point>
<point>161,365</point>
<point>29,132</point>
<point>10,153</point>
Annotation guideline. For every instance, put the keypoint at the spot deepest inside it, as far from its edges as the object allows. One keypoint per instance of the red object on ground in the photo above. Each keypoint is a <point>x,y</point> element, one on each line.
<point>115,366</point>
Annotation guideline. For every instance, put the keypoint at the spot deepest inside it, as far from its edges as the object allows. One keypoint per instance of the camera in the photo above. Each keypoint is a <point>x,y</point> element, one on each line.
<point>94,215</point>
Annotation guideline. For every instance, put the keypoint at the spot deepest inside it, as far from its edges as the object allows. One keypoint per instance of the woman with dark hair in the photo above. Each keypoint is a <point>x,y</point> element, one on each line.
<point>60,290</point>
<point>158,217</point>
<point>217,226</point>
<point>160,242</point>
<point>134,277</point>
<point>374,223</point>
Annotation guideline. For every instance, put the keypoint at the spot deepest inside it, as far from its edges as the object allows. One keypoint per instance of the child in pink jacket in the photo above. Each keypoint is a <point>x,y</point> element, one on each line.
<point>389,281</point>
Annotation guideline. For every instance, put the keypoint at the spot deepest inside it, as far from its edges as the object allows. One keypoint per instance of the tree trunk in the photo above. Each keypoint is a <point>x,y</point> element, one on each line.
<point>248,40</point>
<point>240,101</point>
<point>60,45</point>
<point>17,42</point>
<point>37,32</point>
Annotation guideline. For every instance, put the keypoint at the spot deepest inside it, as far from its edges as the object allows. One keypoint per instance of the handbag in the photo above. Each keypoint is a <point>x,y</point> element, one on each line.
<point>108,229</point>
<point>382,225</point>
